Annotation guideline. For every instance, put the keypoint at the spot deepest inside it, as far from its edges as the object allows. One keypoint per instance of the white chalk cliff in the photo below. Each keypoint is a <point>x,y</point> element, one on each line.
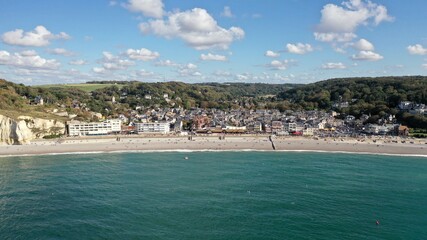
<point>24,129</point>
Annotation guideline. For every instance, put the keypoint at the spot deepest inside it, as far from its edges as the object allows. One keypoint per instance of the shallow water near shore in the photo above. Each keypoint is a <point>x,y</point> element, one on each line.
<point>213,195</point>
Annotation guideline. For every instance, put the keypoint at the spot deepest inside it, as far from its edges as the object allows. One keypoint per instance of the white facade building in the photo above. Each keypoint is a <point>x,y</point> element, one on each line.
<point>77,128</point>
<point>153,127</point>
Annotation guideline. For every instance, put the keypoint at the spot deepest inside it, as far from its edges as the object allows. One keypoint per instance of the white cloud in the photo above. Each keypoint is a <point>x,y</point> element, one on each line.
<point>331,65</point>
<point>150,8</point>
<point>144,73</point>
<point>363,45</point>
<point>417,49</point>
<point>78,62</point>
<point>424,66</point>
<point>299,48</point>
<point>272,54</point>
<point>166,63</point>
<point>339,23</point>
<point>28,53</point>
<point>188,70</point>
<point>334,37</point>
<point>61,51</point>
<point>220,73</point>
<point>112,63</point>
<point>27,59</point>
<point>98,69</point>
<point>196,27</point>
<point>112,3</point>
<point>142,54</point>
<point>367,56</point>
<point>37,38</point>
<point>227,12</point>
<point>213,57</point>
<point>280,65</point>
<point>191,66</point>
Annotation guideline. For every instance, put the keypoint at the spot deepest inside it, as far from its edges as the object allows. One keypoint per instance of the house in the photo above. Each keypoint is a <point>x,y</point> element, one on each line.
<point>39,100</point>
<point>403,131</point>
<point>405,105</point>
<point>276,126</point>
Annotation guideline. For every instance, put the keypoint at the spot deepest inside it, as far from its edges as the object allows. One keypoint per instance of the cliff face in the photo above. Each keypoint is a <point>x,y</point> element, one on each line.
<point>25,129</point>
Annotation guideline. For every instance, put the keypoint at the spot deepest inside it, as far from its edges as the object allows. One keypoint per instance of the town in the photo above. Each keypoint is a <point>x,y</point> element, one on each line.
<point>242,121</point>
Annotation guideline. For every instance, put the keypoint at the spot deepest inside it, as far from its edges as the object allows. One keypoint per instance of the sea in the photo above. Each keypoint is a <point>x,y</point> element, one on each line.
<point>213,195</point>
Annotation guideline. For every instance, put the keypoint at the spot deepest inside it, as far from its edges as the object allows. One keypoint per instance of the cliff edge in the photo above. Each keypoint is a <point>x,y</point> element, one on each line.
<point>24,129</point>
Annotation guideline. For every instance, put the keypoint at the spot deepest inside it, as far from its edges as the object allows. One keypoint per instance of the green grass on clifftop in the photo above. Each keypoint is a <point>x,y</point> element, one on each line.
<point>87,87</point>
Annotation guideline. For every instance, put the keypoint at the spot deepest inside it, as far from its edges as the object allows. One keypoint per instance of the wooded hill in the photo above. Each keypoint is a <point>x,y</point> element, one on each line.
<point>377,97</point>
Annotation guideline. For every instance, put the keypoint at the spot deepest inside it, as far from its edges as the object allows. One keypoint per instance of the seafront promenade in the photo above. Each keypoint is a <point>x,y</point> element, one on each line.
<point>210,143</point>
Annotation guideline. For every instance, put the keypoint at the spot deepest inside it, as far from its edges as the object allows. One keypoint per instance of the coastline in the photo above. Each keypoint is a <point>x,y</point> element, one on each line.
<point>106,144</point>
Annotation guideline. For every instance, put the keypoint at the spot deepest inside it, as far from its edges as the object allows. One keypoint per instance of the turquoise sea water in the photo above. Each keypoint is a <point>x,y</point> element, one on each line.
<point>213,195</point>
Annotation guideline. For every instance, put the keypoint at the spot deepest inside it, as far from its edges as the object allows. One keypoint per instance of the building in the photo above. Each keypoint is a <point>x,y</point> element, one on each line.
<point>276,126</point>
<point>153,127</point>
<point>77,128</point>
<point>403,131</point>
<point>290,127</point>
<point>39,100</point>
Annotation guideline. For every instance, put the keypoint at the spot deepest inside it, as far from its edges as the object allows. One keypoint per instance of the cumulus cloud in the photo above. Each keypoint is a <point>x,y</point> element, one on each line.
<point>280,65</point>
<point>28,53</point>
<point>112,63</point>
<point>61,51</point>
<point>195,27</point>
<point>39,37</point>
<point>227,12</point>
<point>272,54</point>
<point>189,70</point>
<point>98,70</point>
<point>331,65</point>
<point>213,57</point>
<point>417,49</point>
<point>166,63</point>
<point>78,62</point>
<point>339,23</point>
<point>144,73</point>
<point>221,73</point>
<point>149,8</point>
<point>367,56</point>
<point>142,54</point>
<point>363,45</point>
<point>334,37</point>
<point>27,59</point>
<point>299,48</point>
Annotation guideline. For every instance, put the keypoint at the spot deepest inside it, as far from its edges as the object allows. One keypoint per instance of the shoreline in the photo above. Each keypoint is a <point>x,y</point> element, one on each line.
<point>109,144</point>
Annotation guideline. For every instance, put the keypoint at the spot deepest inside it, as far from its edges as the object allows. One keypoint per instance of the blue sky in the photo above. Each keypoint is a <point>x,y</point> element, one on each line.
<point>275,41</point>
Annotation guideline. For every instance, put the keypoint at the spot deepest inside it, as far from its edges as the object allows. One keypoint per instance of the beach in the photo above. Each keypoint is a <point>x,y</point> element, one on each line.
<point>96,144</point>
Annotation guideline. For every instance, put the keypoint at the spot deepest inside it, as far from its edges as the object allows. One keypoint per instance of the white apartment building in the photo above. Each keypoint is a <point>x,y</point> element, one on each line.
<point>290,127</point>
<point>77,128</point>
<point>152,127</point>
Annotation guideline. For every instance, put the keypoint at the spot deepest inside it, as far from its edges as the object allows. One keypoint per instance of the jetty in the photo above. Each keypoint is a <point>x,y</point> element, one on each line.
<point>272,142</point>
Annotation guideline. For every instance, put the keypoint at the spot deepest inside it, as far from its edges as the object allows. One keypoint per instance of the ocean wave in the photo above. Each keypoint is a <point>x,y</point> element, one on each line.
<point>211,150</point>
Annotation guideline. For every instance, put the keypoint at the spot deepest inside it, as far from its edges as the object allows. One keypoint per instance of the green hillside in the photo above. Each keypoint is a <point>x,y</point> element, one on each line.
<point>87,87</point>
<point>377,97</point>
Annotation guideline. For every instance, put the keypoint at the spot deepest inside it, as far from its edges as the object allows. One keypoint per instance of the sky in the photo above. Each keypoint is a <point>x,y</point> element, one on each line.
<point>270,41</point>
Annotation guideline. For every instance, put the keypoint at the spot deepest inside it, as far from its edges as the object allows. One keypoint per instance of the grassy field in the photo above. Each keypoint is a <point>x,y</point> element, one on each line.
<point>87,87</point>
<point>31,112</point>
